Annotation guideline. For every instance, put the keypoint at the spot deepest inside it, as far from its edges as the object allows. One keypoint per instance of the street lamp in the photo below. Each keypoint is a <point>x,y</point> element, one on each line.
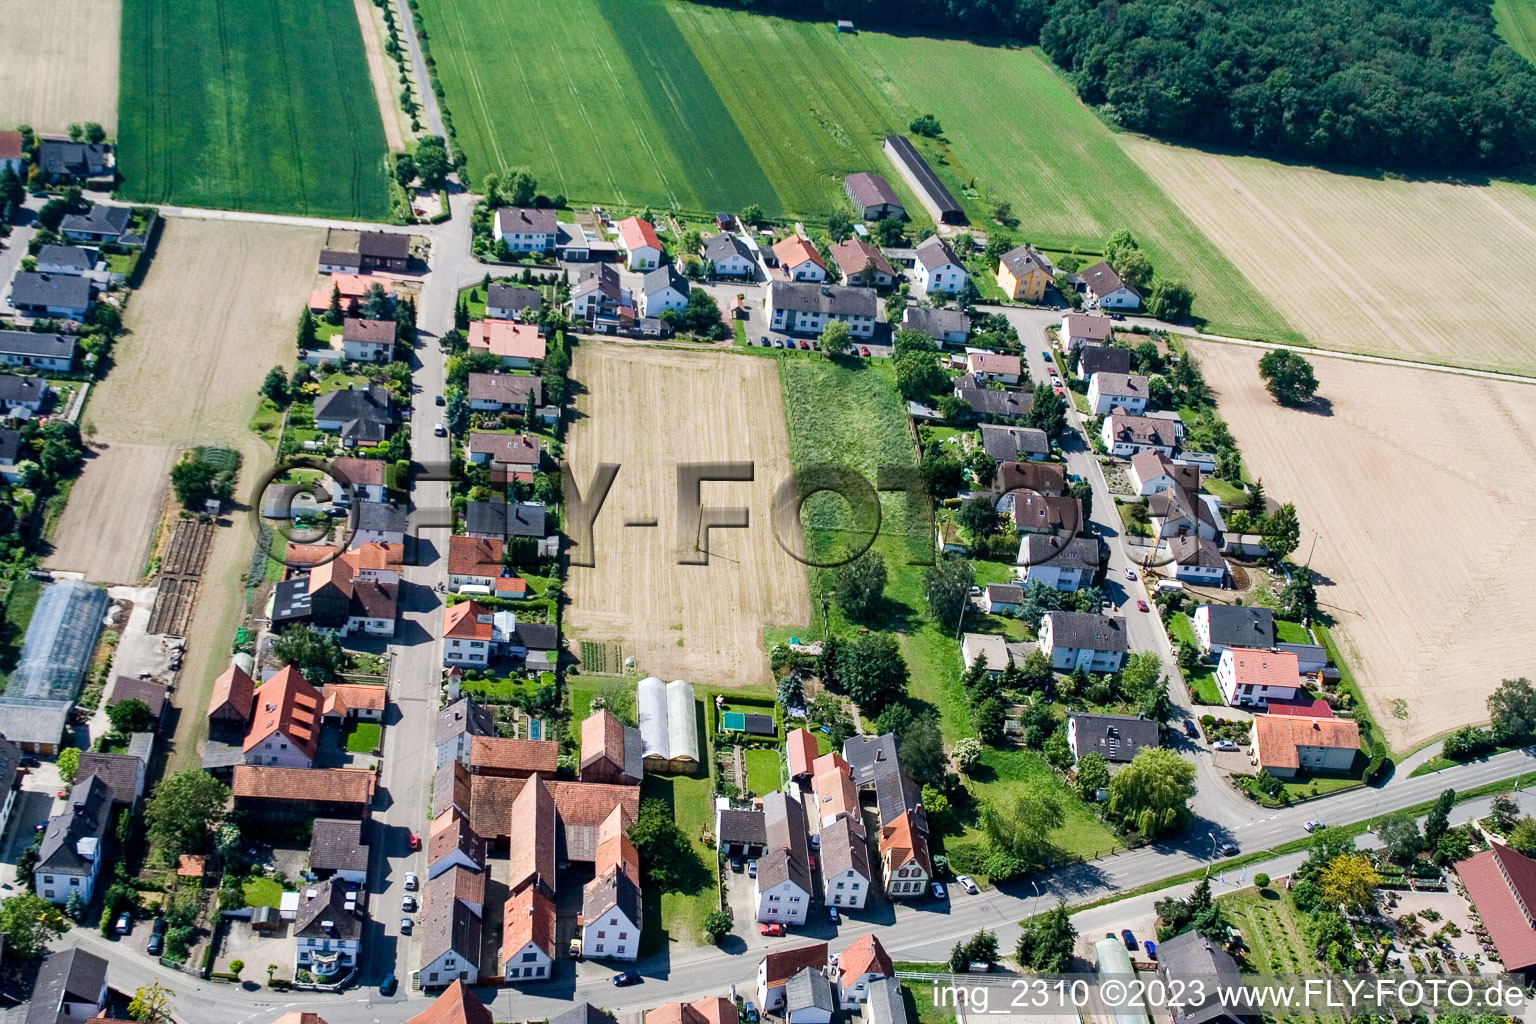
<point>1036,900</point>
<point>1213,854</point>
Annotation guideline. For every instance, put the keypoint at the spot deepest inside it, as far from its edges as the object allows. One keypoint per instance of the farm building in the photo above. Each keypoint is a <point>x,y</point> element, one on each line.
<point>872,196</point>
<point>910,163</point>
<point>55,653</point>
<point>668,725</point>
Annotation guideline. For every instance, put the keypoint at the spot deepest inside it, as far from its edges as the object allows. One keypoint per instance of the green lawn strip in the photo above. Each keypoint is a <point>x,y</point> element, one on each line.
<point>263,892</point>
<point>1371,739</point>
<point>682,913</point>
<point>363,737</point>
<point>1063,171</point>
<point>1201,681</point>
<point>1007,773</point>
<point>20,603</point>
<point>1227,493</point>
<point>1287,632</point>
<point>1515,22</point>
<point>1437,763</point>
<point>273,113</point>
<point>764,773</point>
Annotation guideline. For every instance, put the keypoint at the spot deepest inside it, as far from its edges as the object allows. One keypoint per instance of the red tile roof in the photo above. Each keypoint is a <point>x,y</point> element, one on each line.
<point>507,339</point>
<point>362,472</point>
<point>332,785</point>
<point>786,963</point>
<point>457,1005</point>
<point>10,145</point>
<point>462,621</point>
<point>794,251</point>
<point>1276,737</point>
<point>533,822</point>
<point>234,688</point>
<point>1253,667</point>
<point>1502,886</point>
<point>288,705</point>
<point>865,956</point>
<point>905,844</point>
<point>636,233</point>
<point>802,752</point>
<point>528,756</point>
<point>474,556</point>
<point>1304,707</point>
<point>709,1010</point>
<point>614,850</point>
<point>344,696</point>
<point>528,916</point>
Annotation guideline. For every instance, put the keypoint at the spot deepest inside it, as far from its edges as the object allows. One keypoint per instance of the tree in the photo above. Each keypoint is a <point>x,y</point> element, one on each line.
<point>717,924</point>
<point>226,837</point>
<point>827,711</point>
<point>1048,940</point>
<point>74,907</point>
<point>1281,532</point>
<point>182,809</point>
<point>1170,300</point>
<point>1117,246</point>
<point>131,715</point>
<point>1503,813</point>
<point>1298,597</point>
<point>836,339</point>
<point>1261,880</point>
<point>318,656</point>
<point>1288,377</point>
<point>1399,834</point>
<point>1152,793</point>
<point>665,852</point>
<point>990,720</point>
<point>151,1004</point>
<point>839,226</point>
<point>1349,881</point>
<point>1512,710</point>
<point>618,700</point>
<point>926,125</point>
<point>69,765</point>
<point>871,668</point>
<point>195,482</point>
<point>918,375</point>
<point>946,586</point>
<point>1002,212</point>
<point>333,311</point>
<point>95,132</point>
<point>405,170</point>
<point>751,215</point>
<point>30,923</point>
<point>978,516</point>
<point>1092,776</point>
<point>521,188</point>
<point>1048,411</point>
<point>890,233</point>
<point>967,753</point>
<point>1135,269</point>
<point>922,751</point>
<point>377,304</point>
<point>236,966</point>
<point>909,339</point>
<point>1022,827</point>
<point>1438,820</point>
<point>1523,836</point>
<point>791,692</point>
<point>52,214</point>
<point>432,161</point>
<point>860,585</point>
<point>275,385</point>
<point>701,315</point>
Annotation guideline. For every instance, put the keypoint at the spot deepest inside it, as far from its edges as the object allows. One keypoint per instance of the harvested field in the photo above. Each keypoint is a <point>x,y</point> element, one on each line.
<point>60,63</point>
<point>648,410</point>
<point>1417,489</point>
<point>109,520</point>
<point>1364,264</point>
<point>181,570</point>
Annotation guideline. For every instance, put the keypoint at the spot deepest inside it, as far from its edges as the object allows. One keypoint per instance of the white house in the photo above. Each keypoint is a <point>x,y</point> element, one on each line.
<point>1063,564</point>
<point>799,260</point>
<point>858,966</point>
<point>1152,471</point>
<point>782,889</point>
<point>904,860</point>
<point>1124,391</point>
<point>937,270</point>
<point>989,366</point>
<point>1125,435</point>
<point>71,984</point>
<point>642,248</point>
<point>327,931</point>
<point>1250,678</point>
<point>1196,560</point>
<point>611,914</point>
<point>451,843</point>
<point>1001,598</point>
<point>802,308</point>
<point>1181,512</point>
<point>775,970</point>
<point>366,479</point>
<point>729,256</point>
<point>974,646</point>
<point>1085,329</point>
<point>663,289</point>
<point>457,724</point>
<point>1219,626</point>
<point>525,229</point>
<point>37,351</point>
<point>1073,640</point>
<point>808,998</point>
<point>1108,288</point>
<point>845,871</point>
<point>69,858</point>
<point>450,950</point>
<point>528,936</point>
<point>368,341</point>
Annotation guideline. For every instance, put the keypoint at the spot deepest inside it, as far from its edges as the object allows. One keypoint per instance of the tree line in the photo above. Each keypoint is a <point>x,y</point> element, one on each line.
<point>1414,83</point>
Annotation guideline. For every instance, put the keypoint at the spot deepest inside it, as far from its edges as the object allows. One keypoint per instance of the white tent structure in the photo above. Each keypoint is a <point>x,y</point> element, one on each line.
<point>668,725</point>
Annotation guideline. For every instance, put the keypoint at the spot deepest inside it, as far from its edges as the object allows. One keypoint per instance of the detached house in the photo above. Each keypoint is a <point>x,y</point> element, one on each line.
<point>904,859</point>
<point>1092,359</point>
<point>662,289</point>
<point>1196,560</point>
<point>1126,435</point>
<point>473,562</point>
<point>509,302</point>
<point>1152,471</point>
<point>863,265</point>
<point>1250,677</point>
<point>285,727</point>
<point>945,326</point>
<point>65,259</point>
<point>37,351</point>
<point>517,393</point>
<point>98,224</point>
<point>799,260</point>
<point>368,341</point>
<point>510,456</point>
<point>363,417</point>
<point>518,345</point>
<point>782,888</point>
<point>1116,738</point>
<point>1066,565</point>
<point>1126,392</point>
<point>1108,289</point>
<point>69,858</point>
<point>1219,626</point>
<point>938,270</point>
<point>457,724</point>
<point>363,478</point>
<point>729,256</point>
<point>328,930</point>
<point>1286,745</point>
<point>859,965</point>
<point>63,161</point>
<point>1072,640</point>
<point>45,295</point>
<point>642,249</point>
<point>600,301</point>
<point>1181,512</point>
<point>1025,275</point>
<point>525,229</point>
<point>1079,329</point>
<point>801,308</point>
<point>993,366</point>
<point>1012,444</point>
<point>71,985</point>
<point>776,969</point>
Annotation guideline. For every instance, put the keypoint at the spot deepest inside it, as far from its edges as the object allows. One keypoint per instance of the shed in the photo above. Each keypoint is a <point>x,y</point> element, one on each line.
<point>1113,962</point>
<point>844,25</point>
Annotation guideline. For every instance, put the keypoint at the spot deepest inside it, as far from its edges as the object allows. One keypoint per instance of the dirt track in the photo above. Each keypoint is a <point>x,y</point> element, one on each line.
<point>648,410</point>
<point>1418,491</point>
<point>110,519</point>
<point>60,63</point>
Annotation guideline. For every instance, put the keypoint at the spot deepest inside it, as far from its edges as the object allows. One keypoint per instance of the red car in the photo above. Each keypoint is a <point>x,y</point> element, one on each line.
<point>805,344</point>
<point>863,350</point>
<point>414,841</point>
<point>1141,606</point>
<point>772,929</point>
<point>1057,390</point>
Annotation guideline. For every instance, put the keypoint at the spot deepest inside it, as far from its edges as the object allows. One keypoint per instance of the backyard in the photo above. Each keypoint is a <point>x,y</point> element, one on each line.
<point>684,908</point>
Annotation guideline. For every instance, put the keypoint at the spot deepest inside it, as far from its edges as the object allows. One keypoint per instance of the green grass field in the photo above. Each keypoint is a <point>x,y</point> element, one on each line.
<point>231,108</point>
<point>1515,21</point>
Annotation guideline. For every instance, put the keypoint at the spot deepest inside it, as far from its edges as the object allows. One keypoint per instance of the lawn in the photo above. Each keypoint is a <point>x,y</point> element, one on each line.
<point>1274,931</point>
<point>1287,632</point>
<point>363,737</point>
<point>763,769</point>
<point>263,892</point>
<point>1006,773</point>
<point>20,602</point>
<point>1202,681</point>
<point>682,911</point>
<point>1515,21</point>
<point>1225,492</point>
<point>226,108</point>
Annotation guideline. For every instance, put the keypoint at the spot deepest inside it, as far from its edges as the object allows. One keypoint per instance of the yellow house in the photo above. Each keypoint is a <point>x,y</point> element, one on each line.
<point>1024,274</point>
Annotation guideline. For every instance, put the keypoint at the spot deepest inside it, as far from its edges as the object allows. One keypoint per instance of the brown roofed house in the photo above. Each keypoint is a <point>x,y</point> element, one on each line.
<point>285,724</point>
<point>457,1005</point>
<point>610,750</point>
<point>801,745</point>
<point>272,792</point>
<point>512,758</point>
<point>1286,745</point>
<point>232,695</point>
<point>150,692</point>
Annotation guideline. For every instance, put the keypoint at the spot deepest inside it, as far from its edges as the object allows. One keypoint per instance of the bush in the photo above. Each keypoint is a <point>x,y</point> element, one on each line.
<point>1261,880</point>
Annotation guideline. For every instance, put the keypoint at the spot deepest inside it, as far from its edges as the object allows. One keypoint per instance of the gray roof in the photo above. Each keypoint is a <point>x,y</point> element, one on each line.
<point>784,825</point>
<point>1233,625</point>
<point>388,244</point>
<point>290,601</point>
<point>510,520</point>
<point>870,190</point>
<point>1078,553</point>
<point>1305,652</point>
<point>537,636</point>
<point>603,278</point>
<point>98,220</point>
<point>745,827</point>
<point>336,844</point>
<point>464,716</point>
<point>149,691</point>
<point>67,256</point>
<point>82,159</point>
<point>1192,955</point>
<point>527,220</point>
<point>1104,359</point>
<point>664,277</point>
<point>613,889</point>
<point>936,322</point>
<point>34,721</point>
<point>10,760</point>
<point>809,989</point>
<point>871,756</point>
<point>1004,443</point>
<point>1121,385</point>
<point>897,793</point>
<point>1022,260</point>
<point>119,771</point>
<point>991,402</point>
<point>1005,593</point>
<point>832,299</point>
<point>1087,631</point>
<point>71,974</point>
<point>326,903</point>
<point>928,182</point>
<point>933,252</point>
<point>32,288</point>
<point>87,818</point>
<point>723,246</point>
<point>583,1013</point>
<point>843,847</point>
<point>1116,737</point>
<point>18,389</point>
<point>885,1003</point>
<point>381,517</point>
<point>1102,279</point>
<point>525,520</point>
<point>449,924</point>
<point>506,296</point>
<point>10,446</point>
<point>59,642</point>
<point>369,405</point>
<point>1196,551</point>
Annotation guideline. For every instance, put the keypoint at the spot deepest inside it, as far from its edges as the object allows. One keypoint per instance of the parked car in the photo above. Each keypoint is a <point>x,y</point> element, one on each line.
<point>1190,730</point>
<point>626,979</point>
<point>1151,948</point>
<point>156,937</point>
<point>811,860</point>
<point>413,841</point>
<point>410,881</point>
<point>389,984</point>
<point>864,351</point>
<point>124,924</point>
<point>1045,354</point>
<point>1314,826</point>
<point>938,890</point>
<point>1117,316</point>
<point>764,341</point>
<point>752,869</point>
<point>439,430</point>
<point>750,1012</point>
<point>408,903</point>
<point>773,928</point>
<point>737,865</point>
<point>1228,745</point>
<point>405,926</point>
<point>441,400</point>
<point>574,949</point>
<point>834,916</point>
<point>1227,849</point>
<point>1141,605</point>
<point>1130,940</point>
<point>28,762</point>
<point>1057,389</point>
<point>815,841</point>
<point>965,882</point>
